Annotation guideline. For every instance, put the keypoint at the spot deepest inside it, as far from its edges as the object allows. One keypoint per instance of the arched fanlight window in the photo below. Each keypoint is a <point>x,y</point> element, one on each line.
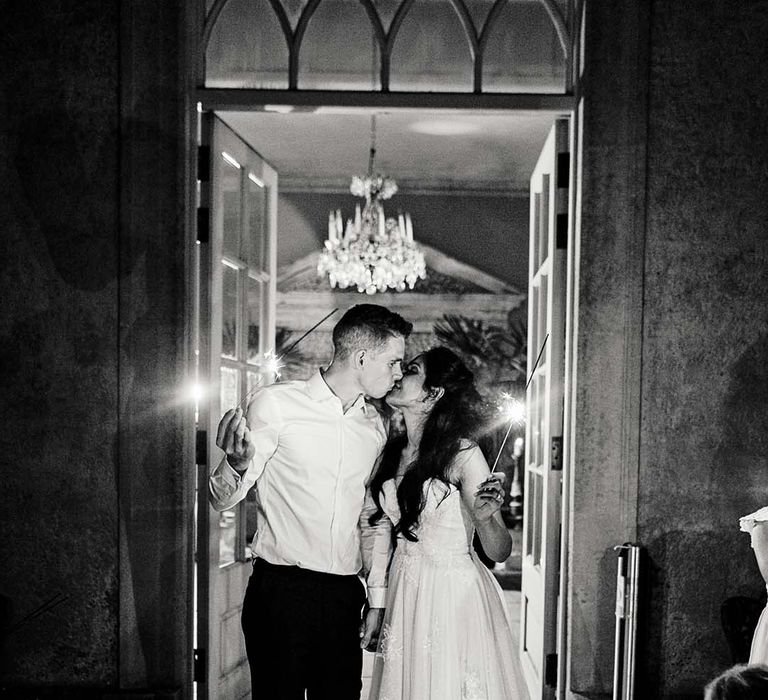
<point>246,46</point>
<point>501,46</point>
<point>432,50</point>
<point>522,50</point>
<point>338,55</point>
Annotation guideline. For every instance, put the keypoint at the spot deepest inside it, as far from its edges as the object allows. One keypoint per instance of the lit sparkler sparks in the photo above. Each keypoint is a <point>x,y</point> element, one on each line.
<point>270,363</point>
<point>513,419</point>
<point>512,408</point>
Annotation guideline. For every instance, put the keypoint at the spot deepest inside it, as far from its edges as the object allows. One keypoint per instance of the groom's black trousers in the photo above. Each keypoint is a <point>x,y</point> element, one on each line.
<point>301,632</point>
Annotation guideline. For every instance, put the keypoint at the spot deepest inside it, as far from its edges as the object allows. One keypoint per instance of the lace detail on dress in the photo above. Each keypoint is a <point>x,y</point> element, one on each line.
<point>472,687</point>
<point>391,646</point>
<point>431,643</point>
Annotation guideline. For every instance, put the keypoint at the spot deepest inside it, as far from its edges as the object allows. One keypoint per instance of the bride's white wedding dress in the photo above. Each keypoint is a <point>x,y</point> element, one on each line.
<point>445,634</point>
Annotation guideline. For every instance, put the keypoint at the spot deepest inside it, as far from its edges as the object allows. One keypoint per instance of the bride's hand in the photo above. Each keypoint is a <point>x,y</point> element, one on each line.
<point>489,497</point>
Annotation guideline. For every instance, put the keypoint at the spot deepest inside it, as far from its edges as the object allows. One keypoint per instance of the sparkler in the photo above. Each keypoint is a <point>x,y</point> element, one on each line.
<point>272,364</point>
<point>512,408</point>
<point>514,418</point>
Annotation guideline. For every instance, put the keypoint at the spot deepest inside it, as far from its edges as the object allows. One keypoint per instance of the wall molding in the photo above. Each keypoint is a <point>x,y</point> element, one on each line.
<point>409,186</point>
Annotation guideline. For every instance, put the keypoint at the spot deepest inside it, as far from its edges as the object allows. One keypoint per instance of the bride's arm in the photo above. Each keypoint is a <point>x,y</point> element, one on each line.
<point>377,549</point>
<point>377,555</point>
<point>483,496</point>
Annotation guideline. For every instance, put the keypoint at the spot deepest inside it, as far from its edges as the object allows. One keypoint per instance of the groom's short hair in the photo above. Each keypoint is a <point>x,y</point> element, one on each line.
<point>367,326</point>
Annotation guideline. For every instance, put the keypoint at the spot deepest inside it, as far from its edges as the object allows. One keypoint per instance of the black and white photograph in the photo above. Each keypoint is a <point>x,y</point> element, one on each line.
<point>384,350</point>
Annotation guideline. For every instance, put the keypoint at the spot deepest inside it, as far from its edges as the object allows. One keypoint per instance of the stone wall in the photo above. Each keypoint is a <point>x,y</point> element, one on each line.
<point>96,443</point>
<point>671,431</point>
<point>58,323</point>
<point>704,430</point>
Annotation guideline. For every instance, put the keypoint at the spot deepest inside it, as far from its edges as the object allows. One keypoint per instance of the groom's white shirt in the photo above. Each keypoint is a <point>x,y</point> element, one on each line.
<point>312,464</point>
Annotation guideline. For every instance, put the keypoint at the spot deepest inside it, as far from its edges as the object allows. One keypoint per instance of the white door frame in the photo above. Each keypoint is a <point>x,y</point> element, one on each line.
<point>559,106</point>
<point>253,262</point>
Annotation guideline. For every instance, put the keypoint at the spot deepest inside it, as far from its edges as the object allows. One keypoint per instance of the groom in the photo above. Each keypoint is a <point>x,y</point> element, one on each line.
<point>310,447</point>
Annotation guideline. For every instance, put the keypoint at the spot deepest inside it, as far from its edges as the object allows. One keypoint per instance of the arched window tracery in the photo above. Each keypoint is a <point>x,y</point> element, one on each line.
<point>472,46</point>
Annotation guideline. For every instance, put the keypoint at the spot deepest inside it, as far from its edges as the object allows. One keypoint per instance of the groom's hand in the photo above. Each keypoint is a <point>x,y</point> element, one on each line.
<point>369,628</point>
<point>234,437</point>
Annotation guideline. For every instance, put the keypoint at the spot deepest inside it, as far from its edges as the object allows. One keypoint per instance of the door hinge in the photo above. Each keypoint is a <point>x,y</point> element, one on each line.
<point>203,163</point>
<point>200,670</point>
<point>201,447</point>
<point>203,224</point>
<point>550,671</point>
<point>561,231</point>
<point>557,453</point>
<point>563,169</point>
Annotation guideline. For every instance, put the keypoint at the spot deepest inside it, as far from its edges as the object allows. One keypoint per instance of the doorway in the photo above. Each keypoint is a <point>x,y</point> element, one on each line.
<point>464,177</point>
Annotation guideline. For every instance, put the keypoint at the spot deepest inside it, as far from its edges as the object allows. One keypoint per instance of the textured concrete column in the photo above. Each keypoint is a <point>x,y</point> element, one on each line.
<point>96,507</point>
<point>672,422</point>
<point>154,445</point>
<point>704,431</point>
<point>607,402</point>
<point>58,350</point>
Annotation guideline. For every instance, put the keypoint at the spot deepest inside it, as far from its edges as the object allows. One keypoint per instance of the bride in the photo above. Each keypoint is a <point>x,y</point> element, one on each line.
<point>445,633</point>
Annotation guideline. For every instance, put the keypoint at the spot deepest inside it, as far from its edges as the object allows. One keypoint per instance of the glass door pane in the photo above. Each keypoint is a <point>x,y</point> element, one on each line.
<point>231,204</point>
<point>257,217</point>
<point>229,314</point>
<point>254,312</point>
<point>230,383</point>
<point>537,529</point>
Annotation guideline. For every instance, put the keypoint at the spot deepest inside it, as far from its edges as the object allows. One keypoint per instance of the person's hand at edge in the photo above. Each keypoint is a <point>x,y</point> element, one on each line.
<point>370,628</point>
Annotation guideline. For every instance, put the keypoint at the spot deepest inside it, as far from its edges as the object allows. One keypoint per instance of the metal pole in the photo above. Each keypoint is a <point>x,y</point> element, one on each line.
<point>618,645</point>
<point>630,641</point>
<point>625,644</point>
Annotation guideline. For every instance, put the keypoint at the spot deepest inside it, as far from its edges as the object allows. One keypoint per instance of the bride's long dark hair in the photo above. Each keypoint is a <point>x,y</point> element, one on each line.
<point>455,417</point>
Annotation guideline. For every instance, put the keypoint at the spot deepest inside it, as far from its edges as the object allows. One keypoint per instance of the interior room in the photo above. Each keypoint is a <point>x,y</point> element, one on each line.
<point>462,177</point>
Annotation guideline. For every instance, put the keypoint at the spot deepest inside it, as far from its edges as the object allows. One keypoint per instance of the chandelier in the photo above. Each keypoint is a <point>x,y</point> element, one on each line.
<point>372,252</point>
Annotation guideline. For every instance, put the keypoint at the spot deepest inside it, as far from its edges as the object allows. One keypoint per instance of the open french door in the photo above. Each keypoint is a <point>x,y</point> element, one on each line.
<point>237,234</point>
<point>544,403</point>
